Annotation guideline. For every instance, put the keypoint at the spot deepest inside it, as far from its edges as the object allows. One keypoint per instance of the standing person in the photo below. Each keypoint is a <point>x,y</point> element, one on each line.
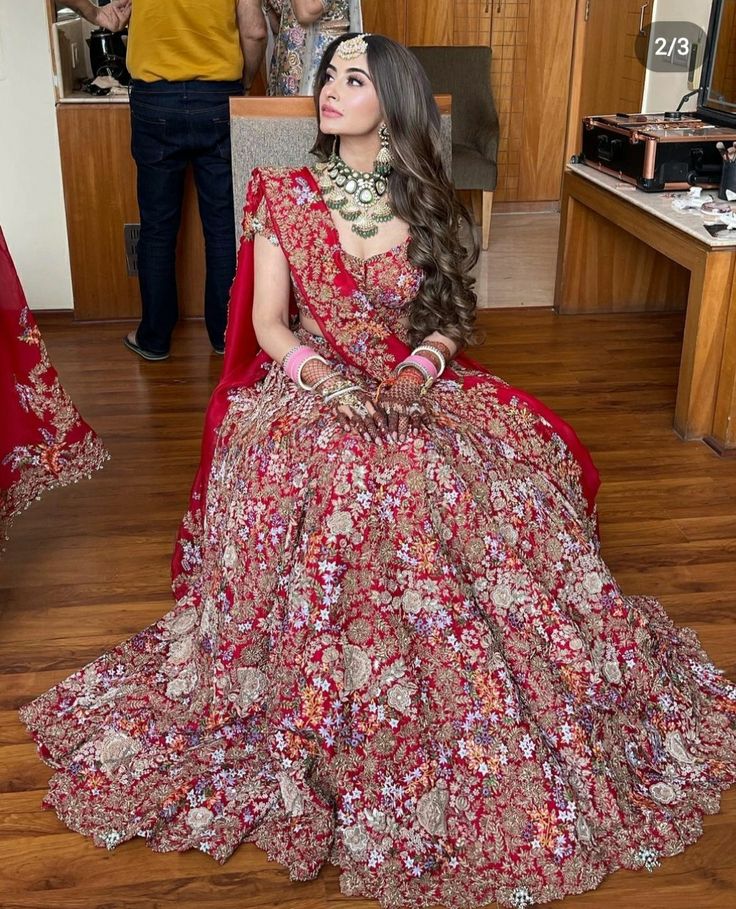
<point>114,16</point>
<point>396,647</point>
<point>300,32</point>
<point>185,58</point>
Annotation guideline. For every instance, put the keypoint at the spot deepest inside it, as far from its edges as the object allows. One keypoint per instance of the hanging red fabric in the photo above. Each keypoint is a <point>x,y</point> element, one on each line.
<point>43,440</point>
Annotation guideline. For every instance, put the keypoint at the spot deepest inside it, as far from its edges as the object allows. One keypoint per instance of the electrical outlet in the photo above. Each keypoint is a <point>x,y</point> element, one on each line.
<point>131,232</point>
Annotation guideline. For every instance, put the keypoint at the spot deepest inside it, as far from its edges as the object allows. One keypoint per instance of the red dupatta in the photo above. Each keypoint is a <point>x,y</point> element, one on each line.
<point>353,327</point>
<point>43,440</point>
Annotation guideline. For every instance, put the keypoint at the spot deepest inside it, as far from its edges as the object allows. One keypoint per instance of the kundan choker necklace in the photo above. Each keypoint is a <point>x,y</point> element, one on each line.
<point>359,197</point>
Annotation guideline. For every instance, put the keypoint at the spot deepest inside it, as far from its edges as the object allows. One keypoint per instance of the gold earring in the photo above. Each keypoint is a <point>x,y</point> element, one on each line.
<point>384,160</point>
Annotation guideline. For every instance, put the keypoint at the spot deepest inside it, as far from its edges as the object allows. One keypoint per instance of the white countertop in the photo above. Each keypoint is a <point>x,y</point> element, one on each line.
<point>660,205</point>
<point>85,98</point>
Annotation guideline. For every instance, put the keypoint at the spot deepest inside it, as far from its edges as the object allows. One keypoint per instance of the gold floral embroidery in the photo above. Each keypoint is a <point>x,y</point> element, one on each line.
<point>403,660</point>
<point>252,684</point>
<point>431,810</point>
<point>55,457</point>
<point>357,668</point>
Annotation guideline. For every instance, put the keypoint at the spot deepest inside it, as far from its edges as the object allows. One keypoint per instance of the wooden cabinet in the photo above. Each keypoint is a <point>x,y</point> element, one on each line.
<point>427,22</point>
<point>530,75</point>
<point>385,17</point>
<point>99,179</point>
<point>532,43</point>
<point>472,22</point>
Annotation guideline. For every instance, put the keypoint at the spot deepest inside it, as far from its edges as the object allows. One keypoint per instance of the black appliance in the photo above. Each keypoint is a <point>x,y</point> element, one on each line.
<point>107,55</point>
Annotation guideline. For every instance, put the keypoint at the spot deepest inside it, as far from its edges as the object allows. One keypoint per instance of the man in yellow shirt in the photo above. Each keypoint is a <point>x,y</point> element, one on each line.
<point>186,59</point>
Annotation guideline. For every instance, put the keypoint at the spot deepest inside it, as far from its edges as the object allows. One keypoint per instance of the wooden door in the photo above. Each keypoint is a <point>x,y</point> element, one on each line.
<point>429,23</point>
<point>607,76</point>
<point>472,22</point>
<point>532,46</point>
<point>385,17</point>
<point>99,179</point>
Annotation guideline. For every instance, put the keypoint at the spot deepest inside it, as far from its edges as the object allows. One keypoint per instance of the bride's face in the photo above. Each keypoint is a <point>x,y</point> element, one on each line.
<point>348,103</point>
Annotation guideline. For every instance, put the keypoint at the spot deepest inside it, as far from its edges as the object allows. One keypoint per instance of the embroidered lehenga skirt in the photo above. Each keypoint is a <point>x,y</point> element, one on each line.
<point>409,661</point>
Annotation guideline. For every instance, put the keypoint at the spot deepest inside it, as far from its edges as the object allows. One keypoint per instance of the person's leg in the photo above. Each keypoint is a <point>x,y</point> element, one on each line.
<point>158,134</point>
<point>210,119</point>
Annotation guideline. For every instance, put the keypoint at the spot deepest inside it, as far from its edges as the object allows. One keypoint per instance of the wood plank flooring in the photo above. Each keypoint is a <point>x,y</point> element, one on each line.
<point>88,566</point>
<point>519,267</point>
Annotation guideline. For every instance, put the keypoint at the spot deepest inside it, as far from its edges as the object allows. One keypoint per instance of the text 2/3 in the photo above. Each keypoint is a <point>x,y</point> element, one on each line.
<point>680,47</point>
<point>666,47</point>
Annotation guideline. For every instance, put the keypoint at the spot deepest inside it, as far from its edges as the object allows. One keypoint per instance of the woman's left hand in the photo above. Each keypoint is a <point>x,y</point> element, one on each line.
<point>401,401</point>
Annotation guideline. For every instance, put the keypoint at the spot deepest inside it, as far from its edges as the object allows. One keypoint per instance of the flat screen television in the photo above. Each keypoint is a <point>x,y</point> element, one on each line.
<point>717,98</point>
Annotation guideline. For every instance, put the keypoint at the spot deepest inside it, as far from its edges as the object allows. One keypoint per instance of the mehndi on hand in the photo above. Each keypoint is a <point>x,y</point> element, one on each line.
<point>402,394</point>
<point>354,408</point>
<point>400,397</point>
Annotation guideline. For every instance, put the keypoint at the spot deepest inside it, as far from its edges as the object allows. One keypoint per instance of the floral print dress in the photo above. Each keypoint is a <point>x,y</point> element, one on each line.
<point>295,59</point>
<point>409,661</point>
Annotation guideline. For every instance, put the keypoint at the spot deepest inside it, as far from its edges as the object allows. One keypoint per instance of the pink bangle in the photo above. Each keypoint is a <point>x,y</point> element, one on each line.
<point>295,359</point>
<point>424,362</point>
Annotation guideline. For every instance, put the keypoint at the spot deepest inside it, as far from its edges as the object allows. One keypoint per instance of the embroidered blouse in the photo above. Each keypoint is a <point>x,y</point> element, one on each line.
<point>388,279</point>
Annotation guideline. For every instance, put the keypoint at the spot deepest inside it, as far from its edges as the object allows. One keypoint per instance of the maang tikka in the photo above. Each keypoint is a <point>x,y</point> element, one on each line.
<point>384,161</point>
<point>353,47</point>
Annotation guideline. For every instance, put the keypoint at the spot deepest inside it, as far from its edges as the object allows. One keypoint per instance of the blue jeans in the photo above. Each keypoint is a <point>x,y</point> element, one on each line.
<point>175,124</point>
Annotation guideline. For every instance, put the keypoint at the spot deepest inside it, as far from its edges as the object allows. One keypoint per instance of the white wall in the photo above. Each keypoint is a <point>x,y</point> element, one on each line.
<point>663,91</point>
<point>31,197</point>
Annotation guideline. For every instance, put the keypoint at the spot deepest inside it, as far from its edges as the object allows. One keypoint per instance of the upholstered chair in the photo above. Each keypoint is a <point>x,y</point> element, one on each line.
<point>465,73</point>
<point>278,132</point>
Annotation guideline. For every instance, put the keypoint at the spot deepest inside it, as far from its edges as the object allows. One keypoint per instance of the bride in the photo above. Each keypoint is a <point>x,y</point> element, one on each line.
<point>395,646</point>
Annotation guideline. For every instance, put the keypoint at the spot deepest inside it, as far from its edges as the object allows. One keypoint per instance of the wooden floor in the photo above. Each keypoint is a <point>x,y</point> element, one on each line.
<point>519,267</point>
<point>88,566</point>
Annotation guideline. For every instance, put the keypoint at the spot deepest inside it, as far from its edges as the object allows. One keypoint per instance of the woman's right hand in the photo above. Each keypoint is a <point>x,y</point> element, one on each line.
<point>357,413</point>
<point>355,409</point>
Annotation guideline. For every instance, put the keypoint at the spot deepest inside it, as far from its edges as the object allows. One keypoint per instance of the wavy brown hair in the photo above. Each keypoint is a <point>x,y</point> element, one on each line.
<point>421,192</point>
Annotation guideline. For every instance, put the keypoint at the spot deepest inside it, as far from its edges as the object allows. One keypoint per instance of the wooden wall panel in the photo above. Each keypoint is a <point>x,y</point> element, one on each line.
<point>424,22</point>
<point>539,121</point>
<point>606,76</point>
<point>612,78</point>
<point>99,178</point>
<point>633,71</point>
<point>724,72</point>
<point>472,22</point>
<point>429,22</point>
<point>386,17</point>
<point>509,38</point>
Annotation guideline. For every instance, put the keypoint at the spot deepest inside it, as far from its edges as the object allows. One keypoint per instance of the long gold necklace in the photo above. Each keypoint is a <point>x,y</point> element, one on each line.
<point>358,196</point>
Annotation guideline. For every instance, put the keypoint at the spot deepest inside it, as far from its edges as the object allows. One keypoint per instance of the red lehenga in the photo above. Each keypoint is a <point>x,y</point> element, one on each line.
<point>43,440</point>
<point>408,661</point>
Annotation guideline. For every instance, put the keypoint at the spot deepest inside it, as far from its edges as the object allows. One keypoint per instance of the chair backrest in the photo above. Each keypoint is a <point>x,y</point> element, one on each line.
<point>465,74</point>
<point>278,132</point>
